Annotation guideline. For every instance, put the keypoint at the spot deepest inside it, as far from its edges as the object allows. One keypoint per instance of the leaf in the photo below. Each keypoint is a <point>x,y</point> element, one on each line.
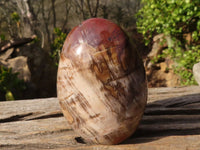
<point>187,1</point>
<point>9,96</point>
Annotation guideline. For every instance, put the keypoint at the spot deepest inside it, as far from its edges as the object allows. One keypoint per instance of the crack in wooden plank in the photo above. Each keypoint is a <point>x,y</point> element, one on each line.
<point>46,116</point>
<point>172,111</point>
<point>31,116</point>
<point>142,132</point>
<point>170,119</point>
<point>31,146</point>
<point>15,118</point>
<point>42,134</point>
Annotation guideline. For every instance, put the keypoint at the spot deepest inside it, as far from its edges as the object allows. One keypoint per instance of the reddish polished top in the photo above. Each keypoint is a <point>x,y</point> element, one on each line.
<point>96,36</point>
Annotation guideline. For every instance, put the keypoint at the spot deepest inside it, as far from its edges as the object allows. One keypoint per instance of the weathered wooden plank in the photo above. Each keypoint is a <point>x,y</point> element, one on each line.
<point>171,121</point>
<point>29,109</point>
<point>41,107</point>
<point>42,133</point>
<point>170,92</point>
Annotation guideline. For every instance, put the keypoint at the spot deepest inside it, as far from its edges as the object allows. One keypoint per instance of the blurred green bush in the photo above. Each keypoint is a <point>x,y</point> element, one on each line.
<point>11,87</point>
<point>180,21</point>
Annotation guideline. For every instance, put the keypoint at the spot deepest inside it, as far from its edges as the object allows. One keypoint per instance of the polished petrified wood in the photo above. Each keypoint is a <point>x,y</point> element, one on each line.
<point>101,82</point>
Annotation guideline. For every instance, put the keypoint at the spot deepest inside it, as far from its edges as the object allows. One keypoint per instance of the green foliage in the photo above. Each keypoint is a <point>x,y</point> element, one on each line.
<point>169,17</point>
<point>184,62</point>
<point>10,85</point>
<point>57,45</point>
<point>175,19</point>
<point>2,37</point>
<point>15,16</point>
<point>36,40</point>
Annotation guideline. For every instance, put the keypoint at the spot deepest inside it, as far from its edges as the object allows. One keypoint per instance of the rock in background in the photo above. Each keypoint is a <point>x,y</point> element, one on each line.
<point>196,72</point>
<point>160,73</point>
<point>43,70</point>
<point>34,66</point>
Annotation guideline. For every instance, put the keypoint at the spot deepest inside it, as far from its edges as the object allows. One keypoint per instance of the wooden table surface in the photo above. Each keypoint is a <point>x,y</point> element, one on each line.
<point>171,122</point>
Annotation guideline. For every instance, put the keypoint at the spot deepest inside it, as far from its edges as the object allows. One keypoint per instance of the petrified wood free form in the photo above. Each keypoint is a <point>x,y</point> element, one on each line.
<point>101,83</point>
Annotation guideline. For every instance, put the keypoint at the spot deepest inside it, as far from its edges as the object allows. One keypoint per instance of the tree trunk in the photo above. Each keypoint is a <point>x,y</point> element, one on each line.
<point>29,19</point>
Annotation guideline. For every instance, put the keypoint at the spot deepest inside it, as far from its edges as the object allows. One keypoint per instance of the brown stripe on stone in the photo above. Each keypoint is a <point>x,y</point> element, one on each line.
<point>95,116</point>
<point>111,104</point>
<point>100,67</point>
<point>106,58</point>
<point>101,72</point>
<point>118,93</point>
<point>77,119</point>
<point>114,56</point>
<point>111,90</point>
<point>83,102</point>
<point>91,131</point>
<point>66,112</point>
